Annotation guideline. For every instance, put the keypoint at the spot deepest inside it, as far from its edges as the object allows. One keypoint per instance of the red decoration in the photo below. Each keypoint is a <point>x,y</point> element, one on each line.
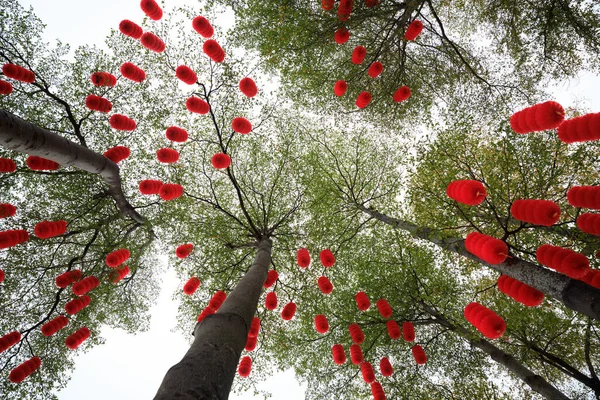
<point>197,105</point>
<point>220,161</point>
<point>248,87</point>
<point>358,55</point>
<point>203,27</point>
<point>356,355</point>
<point>393,329</point>
<point>170,191</point>
<point>251,342</point>
<point>48,229</point>
<point>592,278</point>
<point>217,300</point>
<point>341,36</point>
<point>339,356</point>
<point>5,87</point>
<point>466,191</point>
<point>321,324</point>
<point>122,122</point>
<point>375,69</point>
<point>117,257</point>
<point>419,354</point>
<point>241,125</point>
<point>272,277</point>
<point>184,250</point>
<point>205,313</point>
<point>490,324</point>
<point>271,301</point>
<point>327,5</point>
<point>117,275</point>
<point>152,42</point>
<point>1,276</point>
<point>327,258</point>
<point>384,308</point>
<point>150,186</point>
<point>176,134</point>
<point>363,99</point>
<point>36,163</point>
<point>408,331</point>
<point>356,333</point>
<point>77,338</point>
<point>254,327</point>
<point>97,103</point>
<point>129,28</point>
<point>168,156</point>
<point>288,311</point>
<point>566,261</point>
<point>78,304</point>
<point>589,223</point>
<point>117,154</point>
<point>489,249</point>
<point>85,285</point>
<point>51,327</point>
<point>537,212</point>
<point>402,94</point>
<point>65,279</point>
<point>340,87</point>
<point>7,165</point>
<point>540,117</point>
<point>151,9</point>
<point>21,372</point>
<point>519,291</point>
<point>103,79</point>
<point>9,340</point>
<point>303,258</point>
<point>18,73</point>
<point>584,197</point>
<point>362,301</point>
<point>386,367</point>
<point>7,210</point>
<point>367,372</point>
<point>12,238</point>
<point>186,74</point>
<point>580,129</point>
<point>371,3</point>
<point>191,286</point>
<point>214,50</point>
<point>345,9</point>
<point>133,72</point>
<point>245,367</point>
<point>377,391</point>
<point>413,30</point>
<point>325,285</point>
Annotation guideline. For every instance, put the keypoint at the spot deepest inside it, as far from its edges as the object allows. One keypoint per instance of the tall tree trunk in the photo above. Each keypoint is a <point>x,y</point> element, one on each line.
<point>208,368</point>
<point>21,136</point>
<point>575,294</point>
<point>534,381</point>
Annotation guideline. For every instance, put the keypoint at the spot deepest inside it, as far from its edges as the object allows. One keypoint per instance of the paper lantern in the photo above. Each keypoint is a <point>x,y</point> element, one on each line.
<point>248,87</point>
<point>325,285</point>
<point>419,354</point>
<point>402,94</point>
<point>519,291</point>
<point>362,301</point>
<point>466,191</point>
<point>7,210</point>
<point>245,367</point>
<point>97,103</point>
<point>78,304</point>
<point>118,275</point>
<point>1,276</point>
<point>213,50</point>
<point>241,125</point>
<point>540,117</point>
<point>566,261</point>
<point>413,30</point>
<point>205,313</point>
<point>176,134</point>
<point>375,69</point>
<point>251,342</point>
<point>152,42</point>
<point>272,277</point>
<point>254,327</point>
<point>536,212</point>
<point>36,163</point>
<point>85,285</point>
<point>217,300</point>
<point>170,191</point>
<point>197,105</point>
<point>271,301</point>
<point>5,87</point>
<point>393,329</point>
<point>321,324</point>
<point>363,99</point>
<point>7,165</point>
<point>117,257</point>
<point>12,238</point>
<point>103,79</point>
<point>48,229</point>
<point>408,331</point>
<point>327,5</point>
<point>191,286</point>
<point>486,321</point>
<point>341,36</point>
<point>384,308</point>
<point>122,122</point>
<point>303,258</point>
<point>220,161</point>
<point>151,9</point>
<point>358,55</point>
<point>580,129</point>
<point>340,87</point>
<point>592,278</point>
<point>288,311</point>
<point>117,154</point>
<point>75,340</point>
<point>371,3</point>
<point>150,186</point>
<point>356,355</point>
<point>584,197</point>
<point>327,258</point>
<point>184,250</point>
<point>385,367</point>
<point>129,28</point>
<point>53,326</point>
<point>367,372</point>
<point>186,74</point>
<point>489,249</point>
<point>67,278</point>
<point>339,356</point>
<point>18,73</point>
<point>21,372</point>
<point>168,156</point>
<point>587,222</point>
<point>133,72</point>
<point>356,333</point>
<point>345,9</point>
<point>377,391</point>
<point>203,27</point>
<point>9,340</point>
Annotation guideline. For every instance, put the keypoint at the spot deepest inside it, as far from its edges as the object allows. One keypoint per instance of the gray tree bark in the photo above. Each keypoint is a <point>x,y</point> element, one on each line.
<point>208,368</point>
<point>575,294</point>
<point>19,135</point>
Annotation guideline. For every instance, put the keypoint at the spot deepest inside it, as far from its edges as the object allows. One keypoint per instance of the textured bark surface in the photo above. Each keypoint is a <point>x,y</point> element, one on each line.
<point>208,368</point>
<point>575,294</point>
<point>19,135</point>
<point>533,380</point>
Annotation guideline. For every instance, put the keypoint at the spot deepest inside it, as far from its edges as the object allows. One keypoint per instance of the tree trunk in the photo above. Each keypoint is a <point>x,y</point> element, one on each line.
<point>575,294</point>
<point>21,136</point>
<point>208,368</point>
<point>534,381</point>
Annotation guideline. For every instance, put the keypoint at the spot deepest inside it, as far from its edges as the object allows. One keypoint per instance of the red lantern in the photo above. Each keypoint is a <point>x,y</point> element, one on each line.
<point>386,367</point>
<point>272,277</point>
<point>217,300</point>
<point>362,301</point>
<point>132,72</point>
<point>170,191</point>
<point>589,223</point>
<point>584,197</point>
<point>12,238</point>
<point>540,117</point>
<point>384,308</point>
<point>150,186</point>
<point>402,94</point>
<point>393,329</point>
<point>186,74</point>
<point>191,286</point>
<point>327,258</point>
<point>51,327</point>
<point>36,163</point>
<point>97,103</point>
<point>340,87</point>
<point>375,69</point>
<point>413,30</point>
<point>341,36</point>
<point>303,258</point>
<point>419,354</point>
<point>220,161</point>
<point>77,338</point>
<point>356,333</point>
<point>327,5</point>
<point>151,9</point>
<point>152,42</point>
<point>466,191</point>
<point>197,105</point>
<point>117,154</point>
<point>489,249</point>
<point>490,324</point>
<point>245,367</point>
<point>537,212</point>
<point>67,278</point>
<point>345,9</point>
<point>339,356</point>
<point>214,50</point>
<point>251,342</point>
<point>408,331</point>
<point>592,278</point>
<point>358,55</point>
<point>288,311</point>
<point>248,87</point>
<point>103,79</point>
<point>168,156</point>
<point>377,391</point>
<point>325,285</point>
<point>184,250</point>
<point>1,276</point>
<point>254,327</point>
<point>356,355</point>
<point>85,285</point>
<point>271,301</point>
<point>129,28</point>
<point>78,304</point>
<point>321,324</point>
<point>519,291</point>
<point>18,73</point>
<point>176,134</point>
<point>566,261</point>
<point>5,87</point>
<point>205,313</point>
<point>203,27</point>
<point>122,122</point>
<point>19,374</point>
<point>117,257</point>
<point>367,372</point>
<point>363,99</point>
<point>9,340</point>
<point>48,229</point>
<point>7,165</point>
<point>580,129</point>
<point>118,275</point>
<point>241,125</point>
